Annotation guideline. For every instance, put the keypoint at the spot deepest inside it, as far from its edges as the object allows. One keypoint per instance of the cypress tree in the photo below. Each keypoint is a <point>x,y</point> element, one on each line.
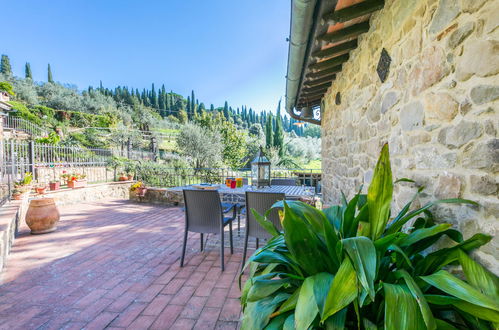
<point>193,103</point>
<point>27,71</point>
<point>50,79</point>
<point>189,110</point>
<point>226,110</point>
<point>279,136</point>
<point>269,132</point>
<point>212,108</point>
<point>5,67</point>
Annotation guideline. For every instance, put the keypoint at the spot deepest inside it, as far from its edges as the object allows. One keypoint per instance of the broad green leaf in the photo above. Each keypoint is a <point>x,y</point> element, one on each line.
<point>478,276</point>
<point>302,243</point>
<point>267,225</point>
<point>398,250</point>
<point>391,229</point>
<point>379,194</point>
<point>257,313</point>
<point>289,324</point>
<point>343,290</point>
<point>277,322</point>
<point>263,287</point>
<point>401,309</point>
<point>475,310</point>
<point>420,299</point>
<point>335,216</point>
<point>349,225</point>
<point>423,233</point>
<point>398,223</point>
<point>306,307</point>
<point>270,257</point>
<point>363,254</point>
<point>314,216</point>
<point>289,304</point>
<point>331,239</point>
<point>368,325</point>
<point>442,325</point>
<point>337,321</point>
<point>404,180</point>
<point>384,242</point>
<point>449,284</point>
<point>322,283</point>
<point>438,259</point>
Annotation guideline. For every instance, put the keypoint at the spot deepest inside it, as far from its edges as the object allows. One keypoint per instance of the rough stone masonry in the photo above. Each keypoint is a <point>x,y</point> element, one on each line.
<point>437,109</point>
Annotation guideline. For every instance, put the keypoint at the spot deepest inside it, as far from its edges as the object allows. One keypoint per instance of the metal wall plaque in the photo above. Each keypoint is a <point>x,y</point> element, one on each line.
<point>337,99</point>
<point>383,65</point>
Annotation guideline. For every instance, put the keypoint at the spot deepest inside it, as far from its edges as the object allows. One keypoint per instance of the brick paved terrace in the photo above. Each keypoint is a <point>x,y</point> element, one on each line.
<point>115,264</point>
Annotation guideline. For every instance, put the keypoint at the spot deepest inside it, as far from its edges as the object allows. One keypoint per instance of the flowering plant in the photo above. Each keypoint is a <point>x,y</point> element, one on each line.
<point>137,185</point>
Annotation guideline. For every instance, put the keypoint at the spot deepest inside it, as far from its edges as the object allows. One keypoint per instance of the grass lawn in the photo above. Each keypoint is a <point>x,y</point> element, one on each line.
<point>315,164</point>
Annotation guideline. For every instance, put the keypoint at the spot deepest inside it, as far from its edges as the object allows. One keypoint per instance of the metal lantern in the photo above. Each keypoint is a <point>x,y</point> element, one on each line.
<point>260,170</point>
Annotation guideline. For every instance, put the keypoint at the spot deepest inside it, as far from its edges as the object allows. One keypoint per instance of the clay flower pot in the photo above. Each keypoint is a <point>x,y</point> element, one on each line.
<point>77,184</point>
<point>40,190</point>
<point>42,216</point>
<point>17,196</point>
<point>54,185</point>
<point>141,191</point>
<point>123,178</point>
<point>130,177</point>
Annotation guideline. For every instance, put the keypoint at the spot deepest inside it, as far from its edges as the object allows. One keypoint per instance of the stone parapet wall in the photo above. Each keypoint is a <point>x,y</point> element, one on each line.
<point>91,193</point>
<point>11,216</point>
<point>437,109</point>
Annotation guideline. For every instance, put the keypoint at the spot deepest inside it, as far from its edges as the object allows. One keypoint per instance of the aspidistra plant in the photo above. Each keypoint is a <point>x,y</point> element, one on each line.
<point>355,266</point>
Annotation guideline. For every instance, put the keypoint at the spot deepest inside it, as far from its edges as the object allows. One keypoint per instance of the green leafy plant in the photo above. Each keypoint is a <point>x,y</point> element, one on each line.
<point>356,266</point>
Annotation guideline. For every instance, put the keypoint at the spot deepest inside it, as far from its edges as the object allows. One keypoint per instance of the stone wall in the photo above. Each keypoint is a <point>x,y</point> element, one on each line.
<point>11,216</point>
<point>437,109</point>
<point>91,193</point>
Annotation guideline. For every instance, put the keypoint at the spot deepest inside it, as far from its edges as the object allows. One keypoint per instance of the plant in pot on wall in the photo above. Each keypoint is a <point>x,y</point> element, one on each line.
<point>139,189</point>
<point>54,185</point>
<point>22,186</point>
<point>130,169</point>
<point>40,188</point>
<point>355,266</point>
<point>77,180</point>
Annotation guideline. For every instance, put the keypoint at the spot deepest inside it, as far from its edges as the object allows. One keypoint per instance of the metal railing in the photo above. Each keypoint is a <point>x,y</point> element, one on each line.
<point>173,177</point>
<point>20,124</point>
<point>48,162</point>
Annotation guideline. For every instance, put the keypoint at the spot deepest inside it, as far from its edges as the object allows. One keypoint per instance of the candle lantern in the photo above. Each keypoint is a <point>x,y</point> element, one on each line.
<point>260,170</point>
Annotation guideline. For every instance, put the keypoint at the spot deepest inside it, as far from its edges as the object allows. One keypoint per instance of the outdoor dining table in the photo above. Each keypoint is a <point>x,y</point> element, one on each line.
<point>238,195</point>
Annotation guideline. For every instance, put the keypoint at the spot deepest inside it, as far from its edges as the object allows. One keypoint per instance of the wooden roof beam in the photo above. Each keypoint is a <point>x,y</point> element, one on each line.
<point>323,73</point>
<point>315,82</point>
<point>335,61</point>
<point>312,95</point>
<point>354,11</point>
<point>345,33</point>
<point>336,50</point>
<point>313,88</point>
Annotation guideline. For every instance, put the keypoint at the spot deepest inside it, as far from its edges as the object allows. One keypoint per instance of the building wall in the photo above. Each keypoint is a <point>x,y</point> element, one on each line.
<point>438,110</point>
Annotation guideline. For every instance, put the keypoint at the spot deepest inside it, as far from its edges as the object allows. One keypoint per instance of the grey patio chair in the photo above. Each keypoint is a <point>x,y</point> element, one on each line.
<point>204,215</point>
<point>283,182</point>
<point>261,202</point>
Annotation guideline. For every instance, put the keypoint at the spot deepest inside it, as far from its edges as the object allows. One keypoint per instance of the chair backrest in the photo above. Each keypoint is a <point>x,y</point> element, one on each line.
<point>283,182</point>
<point>203,211</point>
<point>261,202</point>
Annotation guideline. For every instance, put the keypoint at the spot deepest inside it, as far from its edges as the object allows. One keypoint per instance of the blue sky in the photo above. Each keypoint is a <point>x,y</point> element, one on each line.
<point>232,50</point>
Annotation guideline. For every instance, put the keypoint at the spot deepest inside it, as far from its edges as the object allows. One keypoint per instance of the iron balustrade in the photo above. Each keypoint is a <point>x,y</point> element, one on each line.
<point>20,124</point>
<point>47,162</point>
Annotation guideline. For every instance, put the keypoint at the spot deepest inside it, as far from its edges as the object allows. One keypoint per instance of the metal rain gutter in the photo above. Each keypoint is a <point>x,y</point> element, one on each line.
<point>301,34</point>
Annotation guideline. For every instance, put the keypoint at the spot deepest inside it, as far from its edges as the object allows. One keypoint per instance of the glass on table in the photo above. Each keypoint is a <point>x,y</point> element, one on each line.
<point>233,184</point>
<point>228,181</point>
<point>239,182</point>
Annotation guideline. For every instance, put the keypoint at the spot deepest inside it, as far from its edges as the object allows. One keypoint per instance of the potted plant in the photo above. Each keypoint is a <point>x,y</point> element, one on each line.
<point>40,189</point>
<point>130,168</point>
<point>77,180</point>
<point>357,266</point>
<point>123,177</point>
<point>54,185</point>
<point>22,186</point>
<point>139,189</point>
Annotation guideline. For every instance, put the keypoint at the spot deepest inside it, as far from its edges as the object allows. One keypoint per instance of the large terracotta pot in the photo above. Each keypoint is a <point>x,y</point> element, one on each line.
<point>42,216</point>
